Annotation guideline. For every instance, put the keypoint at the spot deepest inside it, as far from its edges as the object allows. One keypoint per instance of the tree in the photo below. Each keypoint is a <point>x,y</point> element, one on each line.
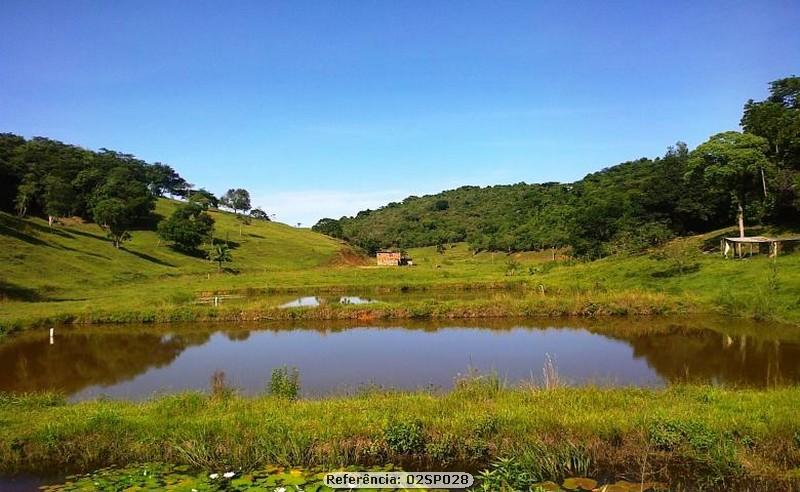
<point>734,162</point>
<point>204,198</point>
<point>237,199</point>
<point>778,120</point>
<point>188,227</point>
<point>59,197</point>
<point>121,183</point>
<point>26,194</point>
<point>115,217</point>
<point>259,214</point>
<point>162,178</point>
<point>329,227</point>
<point>10,171</point>
<point>85,183</point>
<point>221,254</point>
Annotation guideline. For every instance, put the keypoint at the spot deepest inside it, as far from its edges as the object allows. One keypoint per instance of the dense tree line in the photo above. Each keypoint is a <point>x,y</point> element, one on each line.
<point>734,177</point>
<point>44,177</point>
<point>117,191</point>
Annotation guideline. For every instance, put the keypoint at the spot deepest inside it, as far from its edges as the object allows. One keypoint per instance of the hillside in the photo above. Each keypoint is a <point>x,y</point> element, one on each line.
<point>643,202</point>
<point>750,177</point>
<point>75,260</point>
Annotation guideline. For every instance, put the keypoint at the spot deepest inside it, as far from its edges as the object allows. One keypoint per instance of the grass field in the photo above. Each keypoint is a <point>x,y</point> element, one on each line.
<point>72,273</point>
<point>691,435</point>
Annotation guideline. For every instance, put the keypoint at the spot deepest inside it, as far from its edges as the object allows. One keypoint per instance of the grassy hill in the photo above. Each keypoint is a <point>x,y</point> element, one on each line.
<point>72,273</point>
<point>630,206</point>
<point>74,262</point>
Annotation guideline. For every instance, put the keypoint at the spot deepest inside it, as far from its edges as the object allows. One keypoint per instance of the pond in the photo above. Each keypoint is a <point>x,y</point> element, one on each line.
<point>136,361</point>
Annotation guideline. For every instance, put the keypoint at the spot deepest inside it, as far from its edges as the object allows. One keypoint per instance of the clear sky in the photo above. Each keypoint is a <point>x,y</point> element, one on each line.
<point>323,108</point>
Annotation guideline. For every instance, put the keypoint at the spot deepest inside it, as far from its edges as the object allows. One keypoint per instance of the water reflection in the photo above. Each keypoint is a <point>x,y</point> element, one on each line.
<point>314,301</point>
<point>75,359</point>
<point>313,298</point>
<point>136,361</point>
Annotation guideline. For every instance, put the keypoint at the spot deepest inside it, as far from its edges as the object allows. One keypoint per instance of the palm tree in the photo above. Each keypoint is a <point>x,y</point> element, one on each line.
<point>221,253</point>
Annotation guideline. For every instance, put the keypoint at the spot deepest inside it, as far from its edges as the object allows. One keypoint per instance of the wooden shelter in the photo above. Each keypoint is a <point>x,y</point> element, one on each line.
<point>736,246</point>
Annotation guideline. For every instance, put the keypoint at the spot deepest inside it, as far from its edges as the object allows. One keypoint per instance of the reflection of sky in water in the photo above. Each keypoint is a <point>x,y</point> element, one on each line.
<point>312,301</point>
<point>309,301</point>
<point>391,357</point>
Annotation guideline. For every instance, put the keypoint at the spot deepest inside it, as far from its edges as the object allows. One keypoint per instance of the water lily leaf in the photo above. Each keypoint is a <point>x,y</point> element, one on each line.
<point>622,486</point>
<point>612,488</point>
<point>578,483</point>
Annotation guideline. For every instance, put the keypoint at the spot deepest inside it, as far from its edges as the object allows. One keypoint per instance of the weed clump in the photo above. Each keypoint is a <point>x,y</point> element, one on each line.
<point>220,390</point>
<point>405,437</point>
<point>285,382</point>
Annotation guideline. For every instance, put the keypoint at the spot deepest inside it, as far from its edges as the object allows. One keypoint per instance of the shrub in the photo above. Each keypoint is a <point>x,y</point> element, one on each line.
<point>285,382</point>
<point>512,266</point>
<point>220,389</point>
<point>669,434</point>
<point>505,474</point>
<point>405,437</point>
<point>478,386</point>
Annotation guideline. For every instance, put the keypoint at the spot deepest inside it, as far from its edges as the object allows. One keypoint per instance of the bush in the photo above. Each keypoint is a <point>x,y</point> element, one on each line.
<point>285,382</point>
<point>405,437</point>
<point>668,435</point>
<point>220,390</point>
<point>512,266</point>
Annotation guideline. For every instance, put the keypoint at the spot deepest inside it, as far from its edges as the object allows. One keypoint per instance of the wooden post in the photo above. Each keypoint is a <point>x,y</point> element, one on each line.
<point>740,219</point>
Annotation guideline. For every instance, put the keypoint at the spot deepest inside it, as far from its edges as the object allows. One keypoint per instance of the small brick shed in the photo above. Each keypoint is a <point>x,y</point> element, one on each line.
<point>389,258</point>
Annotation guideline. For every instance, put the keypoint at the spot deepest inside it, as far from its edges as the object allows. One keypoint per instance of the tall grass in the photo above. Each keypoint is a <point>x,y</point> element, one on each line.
<point>550,373</point>
<point>698,434</point>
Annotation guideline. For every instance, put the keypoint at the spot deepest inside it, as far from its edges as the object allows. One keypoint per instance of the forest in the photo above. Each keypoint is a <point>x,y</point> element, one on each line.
<point>47,178</point>
<point>751,177</point>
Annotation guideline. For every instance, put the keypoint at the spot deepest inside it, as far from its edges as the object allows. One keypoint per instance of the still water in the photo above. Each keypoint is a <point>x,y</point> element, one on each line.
<point>136,361</point>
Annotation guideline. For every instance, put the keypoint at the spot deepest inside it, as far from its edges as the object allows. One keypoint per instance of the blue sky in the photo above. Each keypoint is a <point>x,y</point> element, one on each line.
<point>324,108</point>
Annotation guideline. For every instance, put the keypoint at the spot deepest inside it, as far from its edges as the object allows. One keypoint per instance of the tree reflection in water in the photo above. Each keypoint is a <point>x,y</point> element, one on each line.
<point>409,354</point>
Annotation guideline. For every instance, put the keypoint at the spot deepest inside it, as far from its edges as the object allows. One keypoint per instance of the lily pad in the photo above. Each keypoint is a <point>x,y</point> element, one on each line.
<point>579,483</point>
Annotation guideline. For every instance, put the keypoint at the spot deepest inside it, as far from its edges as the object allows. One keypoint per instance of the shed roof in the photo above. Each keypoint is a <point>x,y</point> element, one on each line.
<point>752,239</point>
<point>761,239</point>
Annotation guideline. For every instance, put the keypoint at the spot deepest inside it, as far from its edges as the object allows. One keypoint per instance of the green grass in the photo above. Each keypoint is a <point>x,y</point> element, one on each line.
<point>73,268</point>
<point>696,435</point>
<point>71,273</point>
